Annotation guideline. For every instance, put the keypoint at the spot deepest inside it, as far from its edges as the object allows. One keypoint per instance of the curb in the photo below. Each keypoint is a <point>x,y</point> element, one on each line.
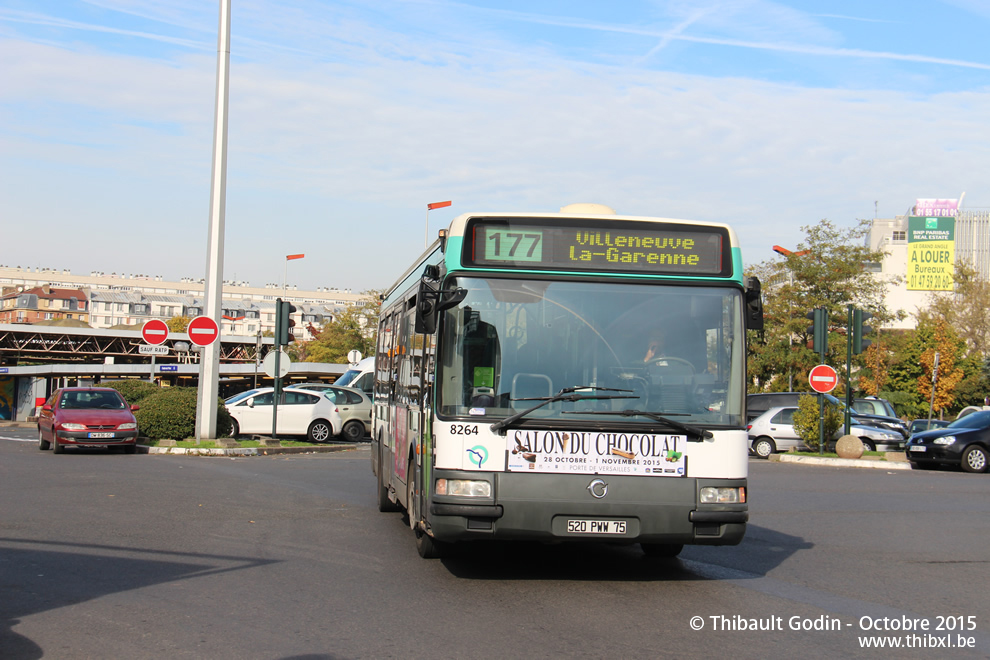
<point>842,462</point>
<point>242,452</point>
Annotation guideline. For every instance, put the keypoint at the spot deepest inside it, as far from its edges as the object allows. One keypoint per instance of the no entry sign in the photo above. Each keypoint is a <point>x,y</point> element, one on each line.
<point>823,379</point>
<point>155,332</point>
<point>203,331</point>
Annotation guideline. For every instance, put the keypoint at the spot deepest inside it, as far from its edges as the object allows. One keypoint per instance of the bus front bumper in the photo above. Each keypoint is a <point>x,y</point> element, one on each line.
<point>664,510</point>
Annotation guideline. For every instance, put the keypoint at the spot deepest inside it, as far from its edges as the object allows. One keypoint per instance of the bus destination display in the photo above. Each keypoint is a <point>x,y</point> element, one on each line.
<point>624,246</point>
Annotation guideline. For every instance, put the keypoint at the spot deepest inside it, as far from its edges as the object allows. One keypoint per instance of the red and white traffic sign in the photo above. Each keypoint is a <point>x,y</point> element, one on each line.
<point>155,332</point>
<point>823,379</point>
<point>203,331</point>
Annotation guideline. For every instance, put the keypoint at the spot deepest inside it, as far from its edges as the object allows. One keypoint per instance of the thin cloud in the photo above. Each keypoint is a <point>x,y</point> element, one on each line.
<point>855,18</point>
<point>12,16</point>
<point>674,35</point>
<point>679,29</point>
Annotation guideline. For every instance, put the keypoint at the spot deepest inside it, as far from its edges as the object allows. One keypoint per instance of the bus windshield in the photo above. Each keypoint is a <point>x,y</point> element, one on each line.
<point>669,349</point>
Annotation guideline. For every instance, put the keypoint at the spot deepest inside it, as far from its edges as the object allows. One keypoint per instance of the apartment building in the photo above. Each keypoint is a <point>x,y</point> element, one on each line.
<point>104,301</point>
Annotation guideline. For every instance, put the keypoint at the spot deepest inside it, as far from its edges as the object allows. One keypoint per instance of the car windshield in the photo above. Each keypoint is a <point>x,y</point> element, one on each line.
<point>84,400</point>
<point>977,420</point>
<point>238,397</point>
<point>616,347</point>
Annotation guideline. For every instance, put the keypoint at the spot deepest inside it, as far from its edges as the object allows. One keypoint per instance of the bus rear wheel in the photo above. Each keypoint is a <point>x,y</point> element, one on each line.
<point>385,505</point>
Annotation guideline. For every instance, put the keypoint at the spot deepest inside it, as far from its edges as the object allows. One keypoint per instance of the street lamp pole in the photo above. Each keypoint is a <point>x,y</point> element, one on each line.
<point>209,368</point>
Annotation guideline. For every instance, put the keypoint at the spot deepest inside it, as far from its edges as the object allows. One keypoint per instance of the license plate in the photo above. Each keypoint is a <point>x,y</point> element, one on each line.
<point>596,526</point>
<point>101,434</point>
<point>919,448</point>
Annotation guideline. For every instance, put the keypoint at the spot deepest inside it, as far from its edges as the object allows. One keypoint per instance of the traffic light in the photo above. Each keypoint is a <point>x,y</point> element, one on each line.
<point>820,329</point>
<point>858,330</point>
<point>284,322</point>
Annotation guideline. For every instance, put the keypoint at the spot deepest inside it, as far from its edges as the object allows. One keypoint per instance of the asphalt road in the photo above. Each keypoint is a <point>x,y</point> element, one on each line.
<point>107,555</point>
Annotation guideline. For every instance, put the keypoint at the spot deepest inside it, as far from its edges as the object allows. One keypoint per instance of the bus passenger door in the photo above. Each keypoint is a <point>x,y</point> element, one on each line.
<point>407,408</point>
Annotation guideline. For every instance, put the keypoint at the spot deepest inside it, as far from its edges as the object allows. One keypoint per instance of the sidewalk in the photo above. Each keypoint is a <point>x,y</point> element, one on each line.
<point>896,460</point>
<point>197,451</point>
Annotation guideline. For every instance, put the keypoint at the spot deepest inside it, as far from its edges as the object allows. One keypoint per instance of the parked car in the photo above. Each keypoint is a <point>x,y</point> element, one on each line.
<point>353,405</point>
<point>87,417</point>
<point>872,405</point>
<point>299,413</point>
<point>360,376</point>
<point>774,431</point>
<point>965,442</point>
<point>756,404</point>
<point>918,425</point>
<point>240,395</point>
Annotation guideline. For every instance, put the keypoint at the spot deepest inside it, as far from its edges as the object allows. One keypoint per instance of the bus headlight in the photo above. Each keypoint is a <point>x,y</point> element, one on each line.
<point>464,488</point>
<point>715,495</point>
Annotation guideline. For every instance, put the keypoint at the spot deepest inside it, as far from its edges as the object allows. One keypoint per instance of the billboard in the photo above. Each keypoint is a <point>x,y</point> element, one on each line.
<point>941,208</point>
<point>931,253</point>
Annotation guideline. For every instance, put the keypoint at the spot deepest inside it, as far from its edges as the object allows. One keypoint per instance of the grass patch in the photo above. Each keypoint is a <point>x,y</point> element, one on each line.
<point>831,454</point>
<point>243,444</point>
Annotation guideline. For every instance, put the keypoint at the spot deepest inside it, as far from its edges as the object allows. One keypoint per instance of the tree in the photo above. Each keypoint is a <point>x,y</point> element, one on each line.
<point>826,270</point>
<point>875,359</point>
<point>356,328</point>
<point>178,323</point>
<point>807,421</point>
<point>966,309</point>
<point>948,346</point>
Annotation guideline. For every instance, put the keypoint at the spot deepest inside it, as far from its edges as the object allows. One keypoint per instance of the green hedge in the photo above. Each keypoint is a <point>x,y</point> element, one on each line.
<point>133,390</point>
<point>170,413</point>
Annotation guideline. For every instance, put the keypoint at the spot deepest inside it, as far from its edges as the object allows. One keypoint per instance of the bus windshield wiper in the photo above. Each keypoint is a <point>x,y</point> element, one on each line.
<point>688,429</point>
<point>581,393</point>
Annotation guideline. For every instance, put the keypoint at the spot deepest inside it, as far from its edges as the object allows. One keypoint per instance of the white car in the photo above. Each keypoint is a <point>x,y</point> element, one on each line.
<point>353,405</point>
<point>299,413</point>
<point>773,431</point>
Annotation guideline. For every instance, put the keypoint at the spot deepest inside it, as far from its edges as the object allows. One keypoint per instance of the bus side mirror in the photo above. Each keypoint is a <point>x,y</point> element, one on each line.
<point>431,300</point>
<point>754,304</point>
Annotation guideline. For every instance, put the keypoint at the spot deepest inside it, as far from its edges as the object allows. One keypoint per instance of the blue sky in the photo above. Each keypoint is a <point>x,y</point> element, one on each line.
<point>347,118</point>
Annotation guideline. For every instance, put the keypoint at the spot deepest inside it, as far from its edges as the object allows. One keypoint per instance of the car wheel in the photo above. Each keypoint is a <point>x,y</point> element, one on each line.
<point>662,549</point>
<point>319,431</point>
<point>763,447</point>
<point>43,444</point>
<point>974,459</point>
<point>57,447</point>
<point>235,429</point>
<point>868,445</point>
<point>353,431</point>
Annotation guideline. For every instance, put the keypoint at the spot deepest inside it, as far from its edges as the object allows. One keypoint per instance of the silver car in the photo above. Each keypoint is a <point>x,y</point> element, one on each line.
<point>773,431</point>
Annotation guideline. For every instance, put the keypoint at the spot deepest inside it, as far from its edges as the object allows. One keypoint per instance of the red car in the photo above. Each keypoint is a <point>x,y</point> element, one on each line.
<point>87,417</point>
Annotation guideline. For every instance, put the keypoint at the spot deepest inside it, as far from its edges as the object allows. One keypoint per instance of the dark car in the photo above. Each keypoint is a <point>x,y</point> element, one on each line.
<point>919,425</point>
<point>757,404</point>
<point>964,442</point>
<point>87,417</point>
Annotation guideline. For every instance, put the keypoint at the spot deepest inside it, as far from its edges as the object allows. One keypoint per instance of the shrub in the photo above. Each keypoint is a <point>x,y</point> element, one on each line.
<point>171,413</point>
<point>806,420</point>
<point>133,390</point>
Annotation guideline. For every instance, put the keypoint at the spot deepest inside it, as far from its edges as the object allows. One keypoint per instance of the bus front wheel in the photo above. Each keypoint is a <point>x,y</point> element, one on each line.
<point>427,546</point>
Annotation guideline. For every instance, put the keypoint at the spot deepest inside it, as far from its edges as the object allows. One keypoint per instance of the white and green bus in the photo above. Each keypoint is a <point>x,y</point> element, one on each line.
<point>572,376</point>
